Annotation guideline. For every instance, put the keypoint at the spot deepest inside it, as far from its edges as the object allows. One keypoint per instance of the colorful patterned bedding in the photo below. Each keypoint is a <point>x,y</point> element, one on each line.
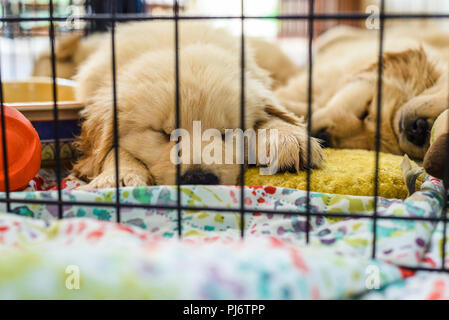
<point>42,257</point>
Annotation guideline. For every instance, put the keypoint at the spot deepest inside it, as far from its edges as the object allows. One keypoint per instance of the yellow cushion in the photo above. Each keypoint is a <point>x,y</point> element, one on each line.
<point>345,171</point>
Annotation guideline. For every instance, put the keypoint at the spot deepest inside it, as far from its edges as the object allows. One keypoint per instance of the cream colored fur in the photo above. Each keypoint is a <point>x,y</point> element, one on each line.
<point>72,50</point>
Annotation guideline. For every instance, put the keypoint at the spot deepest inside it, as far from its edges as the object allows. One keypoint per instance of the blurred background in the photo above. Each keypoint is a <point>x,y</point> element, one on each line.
<point>21,42</point>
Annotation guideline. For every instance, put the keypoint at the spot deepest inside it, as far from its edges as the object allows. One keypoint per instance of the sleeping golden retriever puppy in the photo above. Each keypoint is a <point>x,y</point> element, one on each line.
<point>345,76</point>
<point>209,92</point>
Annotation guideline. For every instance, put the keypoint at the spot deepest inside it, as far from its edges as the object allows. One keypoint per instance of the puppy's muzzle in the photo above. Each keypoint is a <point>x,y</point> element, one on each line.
<point>199,176</point>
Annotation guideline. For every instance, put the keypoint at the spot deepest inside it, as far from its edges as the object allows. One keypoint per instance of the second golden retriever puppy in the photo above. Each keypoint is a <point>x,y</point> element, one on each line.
<point>345,79</point>
<point>209,94</point>
<point>70,52</point>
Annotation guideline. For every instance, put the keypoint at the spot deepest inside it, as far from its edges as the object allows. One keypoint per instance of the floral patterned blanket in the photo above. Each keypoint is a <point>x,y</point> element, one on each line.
<point>88,255</point>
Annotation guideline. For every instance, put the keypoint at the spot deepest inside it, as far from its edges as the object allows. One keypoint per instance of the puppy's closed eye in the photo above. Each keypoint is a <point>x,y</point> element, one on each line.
<point>163,133</point>
<point>365,113</point>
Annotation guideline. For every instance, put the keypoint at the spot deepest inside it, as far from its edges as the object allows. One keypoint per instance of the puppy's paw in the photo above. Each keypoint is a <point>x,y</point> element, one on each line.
<point>292,150</point>
<point>127,178</point>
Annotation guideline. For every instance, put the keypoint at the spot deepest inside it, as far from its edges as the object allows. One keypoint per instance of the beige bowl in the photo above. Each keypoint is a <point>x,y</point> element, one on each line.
<point>34,98</point>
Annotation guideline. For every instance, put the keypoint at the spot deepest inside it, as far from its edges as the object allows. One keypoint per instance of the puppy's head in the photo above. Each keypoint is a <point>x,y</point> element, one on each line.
<point>209,98</point>
<point>350,118</point>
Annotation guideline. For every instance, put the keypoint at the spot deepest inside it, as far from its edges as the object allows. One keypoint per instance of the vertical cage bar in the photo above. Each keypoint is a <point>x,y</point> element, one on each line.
<point>177,115</point>
<point>378,124</point>
<point>309,111</point>
<point>115,113</point>
<point>4,148</point>
<point>242,118</point>
<point>55,109</point>
<point>446,190</point>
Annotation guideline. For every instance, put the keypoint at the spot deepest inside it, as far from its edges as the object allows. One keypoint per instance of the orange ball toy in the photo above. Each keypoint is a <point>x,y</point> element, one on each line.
<point>23,150</point>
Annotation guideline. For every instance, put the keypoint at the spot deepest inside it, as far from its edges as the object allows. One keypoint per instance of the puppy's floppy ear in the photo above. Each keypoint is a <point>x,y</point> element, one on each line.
<point>96,139</point>
<point>66,46</point>
<point>412,65</point>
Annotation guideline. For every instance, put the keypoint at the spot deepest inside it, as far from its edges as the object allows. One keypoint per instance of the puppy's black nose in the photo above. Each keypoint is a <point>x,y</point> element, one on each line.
<point>417,132</point>
<point>324,136</point>
<point>198,176</point>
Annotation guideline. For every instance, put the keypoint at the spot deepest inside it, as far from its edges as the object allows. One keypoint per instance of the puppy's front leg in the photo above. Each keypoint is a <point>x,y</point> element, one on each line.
<point>291,145</point>
<point>131,172</point>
